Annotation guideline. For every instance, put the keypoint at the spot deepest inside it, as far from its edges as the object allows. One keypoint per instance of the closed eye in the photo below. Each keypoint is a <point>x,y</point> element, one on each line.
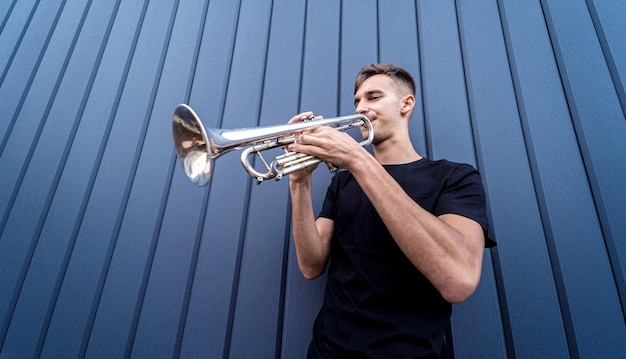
<point>371,96</point>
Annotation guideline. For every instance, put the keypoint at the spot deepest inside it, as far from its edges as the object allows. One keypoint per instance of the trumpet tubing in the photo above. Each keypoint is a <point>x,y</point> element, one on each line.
<point>197,147</point>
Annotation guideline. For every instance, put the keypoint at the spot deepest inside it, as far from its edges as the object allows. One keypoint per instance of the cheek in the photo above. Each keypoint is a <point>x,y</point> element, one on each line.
<point>379,132</point>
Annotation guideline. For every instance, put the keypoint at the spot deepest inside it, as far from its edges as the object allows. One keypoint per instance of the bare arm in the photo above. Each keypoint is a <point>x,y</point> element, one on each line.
<point>312,237</point>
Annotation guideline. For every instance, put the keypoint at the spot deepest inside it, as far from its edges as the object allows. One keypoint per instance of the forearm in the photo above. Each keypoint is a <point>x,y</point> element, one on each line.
<point>442,252</point>
<point>312,243</point>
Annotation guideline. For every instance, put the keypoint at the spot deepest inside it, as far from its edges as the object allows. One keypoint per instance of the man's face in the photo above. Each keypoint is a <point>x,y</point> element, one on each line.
<point>378,98</point>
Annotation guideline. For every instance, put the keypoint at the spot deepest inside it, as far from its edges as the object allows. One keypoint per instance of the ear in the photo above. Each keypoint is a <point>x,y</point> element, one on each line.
<point>408,102</point>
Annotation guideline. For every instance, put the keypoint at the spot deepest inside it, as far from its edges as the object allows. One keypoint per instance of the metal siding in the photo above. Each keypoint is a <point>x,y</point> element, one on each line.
<point>260,295</point>
<point>268,231</point>
<point>598,121</point>
<point>208,328</point>
<point>319,94</point>
<point>107,250</point>
<point>5,10</point>
<point>137,247</point>
<point>523,261</point>
<point>403,48</point>
<point>359,46</point>
<point>607,17</point>
<point>449,135</point>
<point>230,192</point>
<point>47,256</point>
<point>97,205</point>
<point>22,62</point>
<point>27,290</point>
<point>582,266</point>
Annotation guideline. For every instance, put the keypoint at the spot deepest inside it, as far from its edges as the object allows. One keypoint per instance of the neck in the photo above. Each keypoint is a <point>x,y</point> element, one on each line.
<point>395,152</point>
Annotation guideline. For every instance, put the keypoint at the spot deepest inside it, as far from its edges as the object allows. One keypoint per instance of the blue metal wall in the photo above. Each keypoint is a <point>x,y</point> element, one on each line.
<point>108,251</point>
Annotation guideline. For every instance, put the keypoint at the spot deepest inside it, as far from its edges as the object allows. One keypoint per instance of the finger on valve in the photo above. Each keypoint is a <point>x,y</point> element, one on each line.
<point>301,117</point>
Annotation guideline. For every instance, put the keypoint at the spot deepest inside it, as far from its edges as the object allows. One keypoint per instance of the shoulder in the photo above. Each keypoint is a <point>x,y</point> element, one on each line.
<point>452,166</point>
<point>437,170</point>
<point>453,172</point>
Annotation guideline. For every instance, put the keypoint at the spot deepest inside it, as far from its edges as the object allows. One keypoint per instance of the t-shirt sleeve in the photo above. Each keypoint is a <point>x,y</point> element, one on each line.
<point>328,207</point>
<point>464,195</point>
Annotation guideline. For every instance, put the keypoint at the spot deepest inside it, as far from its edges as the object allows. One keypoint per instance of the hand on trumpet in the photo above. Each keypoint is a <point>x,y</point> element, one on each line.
<point>325,143</point>
<point>303,175</point>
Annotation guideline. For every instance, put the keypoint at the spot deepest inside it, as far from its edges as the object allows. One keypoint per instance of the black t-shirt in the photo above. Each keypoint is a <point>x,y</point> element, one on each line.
<point>376,303</point>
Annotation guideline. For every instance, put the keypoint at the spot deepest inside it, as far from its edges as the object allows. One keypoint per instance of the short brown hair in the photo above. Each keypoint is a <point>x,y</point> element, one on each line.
<point>397,73</point>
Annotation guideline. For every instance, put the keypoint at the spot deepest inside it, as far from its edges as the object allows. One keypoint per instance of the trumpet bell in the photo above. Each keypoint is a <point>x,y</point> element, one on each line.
<point>192,144</point>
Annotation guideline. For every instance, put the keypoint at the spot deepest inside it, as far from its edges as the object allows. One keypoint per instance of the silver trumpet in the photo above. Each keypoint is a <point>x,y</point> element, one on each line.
<point>197,147</point>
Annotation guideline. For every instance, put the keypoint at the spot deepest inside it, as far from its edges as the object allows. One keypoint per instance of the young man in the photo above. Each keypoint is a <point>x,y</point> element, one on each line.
<point>403,236</point>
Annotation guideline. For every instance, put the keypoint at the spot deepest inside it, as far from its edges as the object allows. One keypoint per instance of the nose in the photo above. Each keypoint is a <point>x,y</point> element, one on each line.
<point>361,109</point>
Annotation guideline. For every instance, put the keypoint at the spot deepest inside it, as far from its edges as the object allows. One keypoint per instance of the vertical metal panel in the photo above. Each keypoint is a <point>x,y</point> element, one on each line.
<point>13,27</point>
<point>107,250</point>
<point>138,248</point>
<point>5,10</point>
<point>254,320</point>
<point>209,316</point>
<point>58,113</point>
<point>449,136</point>
<point>91,246</point>
<point>318,93</point>
<point>161,300</point>
<point>359,46</point>
<point>15,83</point>
<point>446,111</point>
<point>524,263</point>
<point>578,254</point>
<point>19,236</point>
<point>262,286</point>
<point>607,17</point>
<point>22,59</point>
<point>402,48</point>
<point>598,120</point>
